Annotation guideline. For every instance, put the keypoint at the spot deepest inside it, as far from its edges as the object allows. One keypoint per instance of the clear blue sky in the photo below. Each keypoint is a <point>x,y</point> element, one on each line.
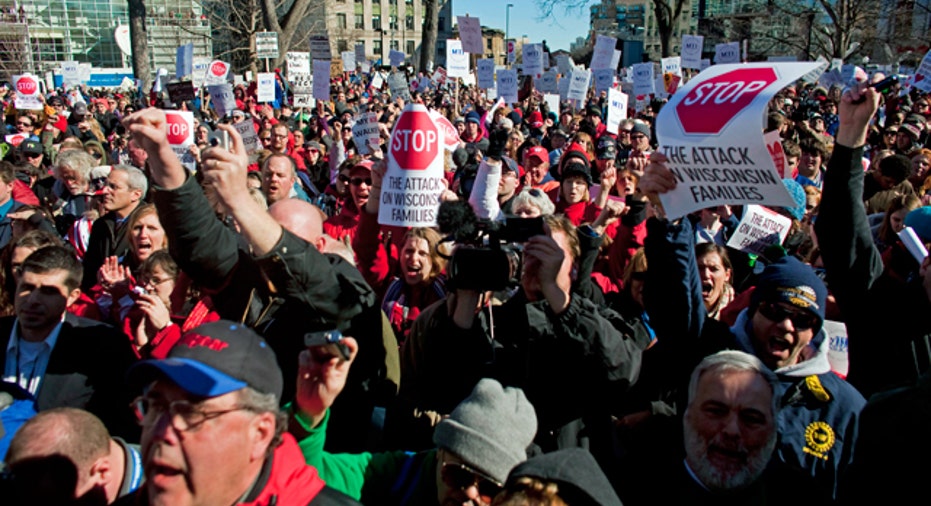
<point>559,30</point>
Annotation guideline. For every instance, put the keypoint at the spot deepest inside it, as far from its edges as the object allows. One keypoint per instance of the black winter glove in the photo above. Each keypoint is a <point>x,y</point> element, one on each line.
<point>497,142</point>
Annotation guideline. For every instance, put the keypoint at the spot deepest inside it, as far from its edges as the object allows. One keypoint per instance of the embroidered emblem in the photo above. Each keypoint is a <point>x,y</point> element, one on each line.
<point>819,439</point>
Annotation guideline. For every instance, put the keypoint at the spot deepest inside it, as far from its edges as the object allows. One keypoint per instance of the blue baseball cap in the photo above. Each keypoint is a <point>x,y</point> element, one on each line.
<point>214,359</point>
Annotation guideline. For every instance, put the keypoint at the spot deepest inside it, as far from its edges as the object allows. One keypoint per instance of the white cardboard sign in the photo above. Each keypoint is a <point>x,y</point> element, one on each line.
<point>603,52</point>
<point>27,92</point>
<point>533,59</point>
<point>485,71</point>
<point>322,80</point>
<point>507,85</point>
<point>413,183</point>
<point>578,84</point>
<point>349,61</point>
<point>729,52</point>
<point>470,32</point>
<point>396,58</point>
<point>759,229</point>
<point>604,79</point>
<point>691,51</point>
<point>710,132</point>
<point>617,109</point>
<point>222,98</point>
<point>217,72</point>
<point>457,60</point>
<point>365,132</point>
<point>643,78</point>
<point>320,47</point>
<point>179,126</point>
<point>266,86</point>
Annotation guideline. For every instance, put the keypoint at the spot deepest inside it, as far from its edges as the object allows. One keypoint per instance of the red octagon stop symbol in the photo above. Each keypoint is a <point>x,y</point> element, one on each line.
<point>414,141</point>
<point>218,68</point>
<point>26,85</point>
<point>178,129</point>
<point>711,105</point>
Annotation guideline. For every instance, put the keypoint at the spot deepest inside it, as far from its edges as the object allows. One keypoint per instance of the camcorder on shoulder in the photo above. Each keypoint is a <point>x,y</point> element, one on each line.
<point>488,254</point>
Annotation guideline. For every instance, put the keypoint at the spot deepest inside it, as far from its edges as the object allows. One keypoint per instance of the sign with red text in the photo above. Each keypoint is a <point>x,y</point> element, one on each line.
<point>450,134</point>
<point>774,146</point>
<point>710,132</point>
<point>411,188</point>
<point>27,92</point>
<point>179,131</point>
<point>759,229</point>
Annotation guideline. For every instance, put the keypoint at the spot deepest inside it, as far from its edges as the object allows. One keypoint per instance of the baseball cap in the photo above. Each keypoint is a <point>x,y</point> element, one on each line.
<point>593,110</point>
<point>314,145</point>
<point>790,281</point>
<point>538,152</point>
<point>80,108</point>
<point>215,359</point>
<point>641,128</point>
<point>912,130</point>
<point>237,112</point>
<point>31,148</point>
<point>511,165</point>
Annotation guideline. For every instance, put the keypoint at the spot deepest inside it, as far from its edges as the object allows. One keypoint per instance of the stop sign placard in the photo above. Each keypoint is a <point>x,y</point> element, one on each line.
<point>450,134</point>
<point>179,127</point>
<point>218,69</point>
<point>711,105</point>
<point>27,85</point>
<point>415,141</point>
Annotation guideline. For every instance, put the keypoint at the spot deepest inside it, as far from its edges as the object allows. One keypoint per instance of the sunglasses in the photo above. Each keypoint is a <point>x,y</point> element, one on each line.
<point>801,320</point>
<point>357,181</point>
<point>460,477</point>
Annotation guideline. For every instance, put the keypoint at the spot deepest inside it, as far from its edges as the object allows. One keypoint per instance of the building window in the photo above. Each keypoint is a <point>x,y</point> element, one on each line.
<point>340,21</point>
<point>409,22</point>
<point>360,21</point>
<point>392,2</point>
<point>395,45</point>
<point>376,22</point>
<point>342,45</point>
<point>392,22</point>
<point>376,47</point>
<point>410,47</point>
<point>488,42</point>
<point>441,23</point>
<point>409,2</point>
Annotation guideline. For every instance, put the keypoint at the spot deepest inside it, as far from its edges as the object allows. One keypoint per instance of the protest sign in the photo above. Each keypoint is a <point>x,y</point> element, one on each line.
<point>814,75</point>
<point>14,140</point>
<point>266,87</point>
<point>179,92</point>
<point>69,73</point>
<point>440,75</point>
<point>563,87</point>
<point>470,32</point>
<point>659,88</point>
<point>922,79</point>
<point>217,72</point>
<point>832,75</point>
<point>533,59</point>
<point>184,60</point>
<point>298,62</point>
<point>547,82</point>
<point>457,60</point>
<point>759,229</point>
<point>250,139</point>
<point>266,45</point>
<point>705,63</point>
<point>507,85</point>
<point>616,59</point>
<point>360,53</point>
<point>485,69</point>
<point>552,102</point>
<point>511,50</point>
<point>378,81</point>
<point>710,132</point>
<point>222,98</point>
<point>27,93</point>
<point>774,145</point>
<point>365,132</point>
<point>84,72</point>
<point>691,51</point>
<point>396,58</point>
<point>604,79</point>
<point>617,109</point>
<point>398,85</point>
<point>671,83</point>
<point>603,52</point>
<point>672,65</point>
<point>643,78</point>
<point>320,47</point>
<point>322,81</point>
<point>729,52</point>
<point>563,64</point>
<point>413,183</point>
<point>349,61</point>
<point>450,134</point>
<point>179,130</point>
<point>578,84</point>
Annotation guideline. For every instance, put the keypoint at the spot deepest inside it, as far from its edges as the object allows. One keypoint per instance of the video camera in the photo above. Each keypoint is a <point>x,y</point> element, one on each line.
<point>488,254</point>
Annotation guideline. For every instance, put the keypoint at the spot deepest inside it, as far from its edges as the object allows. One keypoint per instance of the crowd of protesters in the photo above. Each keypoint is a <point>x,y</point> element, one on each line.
<point>633,358</point>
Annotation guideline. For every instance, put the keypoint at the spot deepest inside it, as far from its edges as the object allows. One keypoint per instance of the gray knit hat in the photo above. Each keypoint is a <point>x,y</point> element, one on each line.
<point>490,430</point>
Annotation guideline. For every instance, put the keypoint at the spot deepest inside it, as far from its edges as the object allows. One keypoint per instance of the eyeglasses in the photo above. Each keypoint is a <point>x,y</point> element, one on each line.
<point>343,178</point>
<point>32,155</point>
<point>23,123</point>
<point>460,477</point>
<point>801,320</point>
<point>357,181</point>
<point>153,281</point>
<point>266,139</point>
<point>183,415</point>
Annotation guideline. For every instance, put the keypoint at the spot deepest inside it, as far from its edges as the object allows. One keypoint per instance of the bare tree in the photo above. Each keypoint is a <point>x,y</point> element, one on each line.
<point>139,43</point>
<point>431,14</point>
<point>285,18</point>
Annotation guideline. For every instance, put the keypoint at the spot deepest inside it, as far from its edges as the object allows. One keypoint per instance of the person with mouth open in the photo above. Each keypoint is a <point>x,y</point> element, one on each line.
<point>782,327</point>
